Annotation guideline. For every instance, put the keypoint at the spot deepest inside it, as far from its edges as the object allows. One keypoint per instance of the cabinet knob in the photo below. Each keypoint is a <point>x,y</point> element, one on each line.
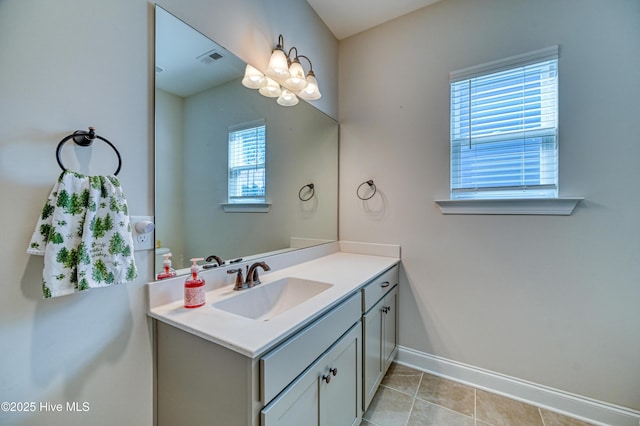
<point>386,309</point>
<point>385,284</point>
<point>327,378</point>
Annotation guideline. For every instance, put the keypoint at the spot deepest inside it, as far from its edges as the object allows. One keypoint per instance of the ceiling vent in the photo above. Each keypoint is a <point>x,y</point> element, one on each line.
<point>209,57</point>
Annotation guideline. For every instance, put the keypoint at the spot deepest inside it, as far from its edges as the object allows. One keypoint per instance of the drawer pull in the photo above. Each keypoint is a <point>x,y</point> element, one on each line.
<point>333,371</point>
<point>385,284</point>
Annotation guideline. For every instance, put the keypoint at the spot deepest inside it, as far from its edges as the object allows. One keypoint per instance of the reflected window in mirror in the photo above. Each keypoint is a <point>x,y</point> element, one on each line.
<point>247,165</point>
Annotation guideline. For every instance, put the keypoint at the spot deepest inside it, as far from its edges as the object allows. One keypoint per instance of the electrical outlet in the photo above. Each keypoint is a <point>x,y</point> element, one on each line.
<point>142,239</point>
<point>142,232</point>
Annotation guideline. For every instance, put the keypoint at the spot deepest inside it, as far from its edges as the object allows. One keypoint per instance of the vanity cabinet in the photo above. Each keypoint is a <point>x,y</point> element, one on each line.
<point>323,372</point>
<point>327,393</point>
<point>380,331</point>
<point>311,378</point>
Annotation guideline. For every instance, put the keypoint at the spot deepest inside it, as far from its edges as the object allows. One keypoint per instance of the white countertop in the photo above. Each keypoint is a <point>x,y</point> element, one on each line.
<point>346,271</point>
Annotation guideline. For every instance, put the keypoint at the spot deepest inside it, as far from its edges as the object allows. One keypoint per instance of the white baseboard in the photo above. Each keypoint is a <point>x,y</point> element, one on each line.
<point>589,410</point>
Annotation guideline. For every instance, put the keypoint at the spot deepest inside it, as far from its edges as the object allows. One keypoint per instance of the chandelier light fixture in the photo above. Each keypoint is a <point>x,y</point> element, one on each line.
<point>284,77</point>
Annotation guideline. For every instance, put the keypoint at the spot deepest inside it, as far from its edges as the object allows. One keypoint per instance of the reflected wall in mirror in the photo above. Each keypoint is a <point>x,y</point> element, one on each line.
<point>198,99</point>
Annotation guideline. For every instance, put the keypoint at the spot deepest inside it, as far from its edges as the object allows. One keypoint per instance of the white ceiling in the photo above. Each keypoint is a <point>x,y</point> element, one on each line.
<point>179,49</point>
<point>348,17</point>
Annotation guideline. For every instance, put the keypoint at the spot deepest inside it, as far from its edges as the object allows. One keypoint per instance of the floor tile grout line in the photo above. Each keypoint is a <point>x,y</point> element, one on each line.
<point>472,416</point>
<point>442,407</point>
<point>475,407</point>
<point>413,403</point>
<point>397,390</point>
<point>413,399</point>
<point>541,416</point>
<point>415,394</point>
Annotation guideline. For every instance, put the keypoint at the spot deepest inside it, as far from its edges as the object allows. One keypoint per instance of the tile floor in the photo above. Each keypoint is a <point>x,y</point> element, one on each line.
<point>409,397</point>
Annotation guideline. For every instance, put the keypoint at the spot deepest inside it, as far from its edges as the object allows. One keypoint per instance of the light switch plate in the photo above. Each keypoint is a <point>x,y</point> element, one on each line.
<point>142,241</point>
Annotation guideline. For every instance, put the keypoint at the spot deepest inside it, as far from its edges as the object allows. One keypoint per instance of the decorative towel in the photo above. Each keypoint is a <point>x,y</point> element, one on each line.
<point>84,234</point>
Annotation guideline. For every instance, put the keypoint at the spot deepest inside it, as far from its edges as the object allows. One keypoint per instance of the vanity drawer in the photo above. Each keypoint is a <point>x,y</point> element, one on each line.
<point>281,366</point>
<point>378,287</point>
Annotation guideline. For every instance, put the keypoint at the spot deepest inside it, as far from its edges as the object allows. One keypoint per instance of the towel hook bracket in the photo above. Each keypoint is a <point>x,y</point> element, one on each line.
<point>83,138</point>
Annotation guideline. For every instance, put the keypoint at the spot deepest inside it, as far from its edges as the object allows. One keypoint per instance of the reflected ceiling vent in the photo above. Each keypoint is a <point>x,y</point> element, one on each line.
<point>209,57</point>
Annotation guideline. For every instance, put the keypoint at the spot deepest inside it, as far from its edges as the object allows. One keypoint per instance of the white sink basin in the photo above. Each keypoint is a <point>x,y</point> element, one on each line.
<point>268,300</point>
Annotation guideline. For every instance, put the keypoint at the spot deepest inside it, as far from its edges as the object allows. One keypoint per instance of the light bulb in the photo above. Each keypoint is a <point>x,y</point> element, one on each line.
<point>311,92</point>
<point>287,98</point>
<point>278,65</point>
<point>253,79</point>
<point>296,80</point>
<point>271,89</point>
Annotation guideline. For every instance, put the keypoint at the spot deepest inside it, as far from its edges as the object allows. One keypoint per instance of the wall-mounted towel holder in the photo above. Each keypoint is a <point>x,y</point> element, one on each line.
<point>82,138</point>
<point>311,192</point>
<point>372,186</point>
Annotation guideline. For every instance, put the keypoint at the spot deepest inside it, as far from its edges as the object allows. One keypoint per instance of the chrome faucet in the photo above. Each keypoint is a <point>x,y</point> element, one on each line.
<point>252,273</point>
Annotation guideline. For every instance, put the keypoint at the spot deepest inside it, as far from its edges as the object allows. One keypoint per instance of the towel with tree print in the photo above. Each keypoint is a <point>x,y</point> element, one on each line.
<point>84,234</point>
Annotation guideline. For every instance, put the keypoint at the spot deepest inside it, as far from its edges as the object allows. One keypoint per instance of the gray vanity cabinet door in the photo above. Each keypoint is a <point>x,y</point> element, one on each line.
<point>372,330</point>
<point>295,407</point>
<point>380,343</point>
<point>390,333</point>
<point>340,398</point>
<point>311,401</point>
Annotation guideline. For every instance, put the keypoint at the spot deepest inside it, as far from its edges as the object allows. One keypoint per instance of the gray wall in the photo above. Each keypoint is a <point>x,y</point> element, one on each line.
<point>67,65</point>
<point>548,299</point>
<point>302,147</point>
<point>169,182</point>
<point>552,300</point>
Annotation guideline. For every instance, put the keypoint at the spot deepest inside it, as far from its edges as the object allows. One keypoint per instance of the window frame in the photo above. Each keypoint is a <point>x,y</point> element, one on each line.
<point>240,203</point>
<point>506,111</point>
<point>514,202</point>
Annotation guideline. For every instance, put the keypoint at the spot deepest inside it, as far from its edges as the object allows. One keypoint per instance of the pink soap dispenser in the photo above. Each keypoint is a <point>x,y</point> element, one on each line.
<point>168,271</point>
<point>194,287</point>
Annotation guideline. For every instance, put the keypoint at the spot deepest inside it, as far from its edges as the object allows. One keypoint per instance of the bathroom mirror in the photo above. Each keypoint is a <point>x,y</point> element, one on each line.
<point>199,99</point>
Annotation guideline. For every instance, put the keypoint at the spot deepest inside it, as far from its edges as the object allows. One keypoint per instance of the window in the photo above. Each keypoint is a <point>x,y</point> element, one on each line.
<point>247,172</point>
<point>504,128</point>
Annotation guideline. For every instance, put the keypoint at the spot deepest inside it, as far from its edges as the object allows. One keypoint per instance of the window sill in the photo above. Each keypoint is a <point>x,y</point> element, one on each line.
<point>246,207</point>
<point>524,206</point>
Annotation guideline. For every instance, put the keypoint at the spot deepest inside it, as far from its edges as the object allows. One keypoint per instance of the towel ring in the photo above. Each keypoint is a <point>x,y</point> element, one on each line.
<point>371,185</point>
<point>82,138</point>
<point>311,189</point>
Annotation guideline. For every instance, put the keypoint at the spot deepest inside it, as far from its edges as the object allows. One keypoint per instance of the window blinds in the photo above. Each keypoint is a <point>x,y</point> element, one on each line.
<point>247,152</point>
<point>504,128</point>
